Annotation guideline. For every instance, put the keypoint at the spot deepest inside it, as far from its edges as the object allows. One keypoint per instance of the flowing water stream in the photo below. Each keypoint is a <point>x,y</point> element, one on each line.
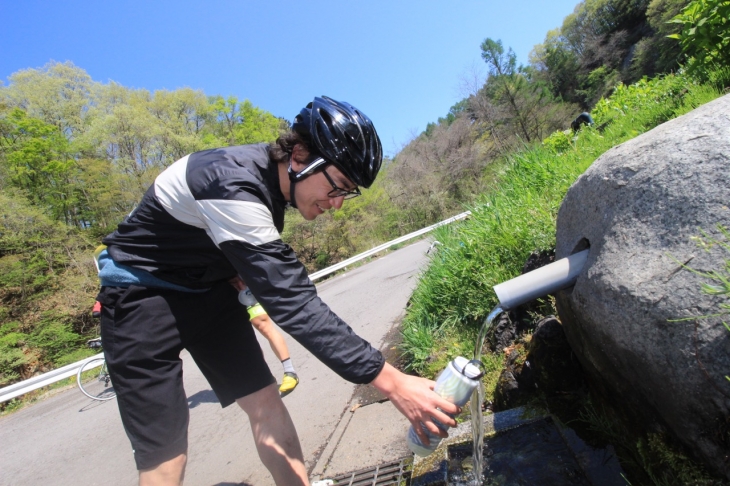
<point>477,416</point>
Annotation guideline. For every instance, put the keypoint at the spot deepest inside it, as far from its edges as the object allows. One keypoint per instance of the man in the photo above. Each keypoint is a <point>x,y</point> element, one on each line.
<point>165,286</point>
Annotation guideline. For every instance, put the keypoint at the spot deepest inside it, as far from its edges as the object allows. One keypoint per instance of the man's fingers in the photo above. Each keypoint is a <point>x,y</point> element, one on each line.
<point>237,283</point>
<point>421,434</point>
<point>445,419</point>
<point>448,407</point>
<point>432,427</point>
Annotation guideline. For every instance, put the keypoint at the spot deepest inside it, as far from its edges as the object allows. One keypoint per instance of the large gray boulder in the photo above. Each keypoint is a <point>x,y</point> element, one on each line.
<point>639,207</point>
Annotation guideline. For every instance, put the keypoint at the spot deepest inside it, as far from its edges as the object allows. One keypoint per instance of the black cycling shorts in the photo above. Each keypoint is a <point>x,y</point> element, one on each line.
<point>143,331</point>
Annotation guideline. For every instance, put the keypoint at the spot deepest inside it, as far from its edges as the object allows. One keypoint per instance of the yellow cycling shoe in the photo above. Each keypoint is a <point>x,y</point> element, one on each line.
<point>288,383</point>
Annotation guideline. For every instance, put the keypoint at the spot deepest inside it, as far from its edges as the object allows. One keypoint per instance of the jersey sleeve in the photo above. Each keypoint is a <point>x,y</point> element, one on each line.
<point>280,283</point>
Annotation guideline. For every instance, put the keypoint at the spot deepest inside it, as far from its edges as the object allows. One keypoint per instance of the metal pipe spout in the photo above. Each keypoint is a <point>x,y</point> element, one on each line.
<point>541,282</point>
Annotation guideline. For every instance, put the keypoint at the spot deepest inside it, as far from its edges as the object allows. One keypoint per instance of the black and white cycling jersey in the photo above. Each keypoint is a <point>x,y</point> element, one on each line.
<point>218,213</point>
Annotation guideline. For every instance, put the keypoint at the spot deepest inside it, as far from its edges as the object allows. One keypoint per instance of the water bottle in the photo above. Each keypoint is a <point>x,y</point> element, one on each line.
<point>246,298</point>
<point>456,384</point>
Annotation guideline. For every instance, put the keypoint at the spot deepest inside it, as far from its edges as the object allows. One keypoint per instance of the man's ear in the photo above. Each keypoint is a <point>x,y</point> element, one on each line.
<point>299,156</point>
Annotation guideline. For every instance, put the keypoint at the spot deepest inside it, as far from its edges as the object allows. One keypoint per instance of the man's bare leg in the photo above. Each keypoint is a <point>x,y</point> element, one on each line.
<point>169,473</point>
<point>275,436</point>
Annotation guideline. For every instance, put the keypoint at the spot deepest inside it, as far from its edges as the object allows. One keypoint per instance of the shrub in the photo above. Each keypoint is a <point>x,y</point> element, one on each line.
<point>559,141</point>
<point>705,35</point>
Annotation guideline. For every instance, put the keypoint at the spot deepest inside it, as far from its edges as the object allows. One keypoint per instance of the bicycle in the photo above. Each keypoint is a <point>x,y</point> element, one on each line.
<point>100,386</point>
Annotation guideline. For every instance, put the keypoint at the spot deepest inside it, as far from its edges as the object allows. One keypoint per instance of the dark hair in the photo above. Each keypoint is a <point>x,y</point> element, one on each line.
<point>281,150</point>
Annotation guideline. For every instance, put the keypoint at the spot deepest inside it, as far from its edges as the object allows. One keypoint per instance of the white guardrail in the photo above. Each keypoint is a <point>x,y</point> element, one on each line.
<point>39,381</point>
<point>17,389</point>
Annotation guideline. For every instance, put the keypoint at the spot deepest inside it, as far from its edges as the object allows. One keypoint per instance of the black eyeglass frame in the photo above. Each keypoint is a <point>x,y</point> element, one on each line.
<point>317,165</point>
<point>338,191</point>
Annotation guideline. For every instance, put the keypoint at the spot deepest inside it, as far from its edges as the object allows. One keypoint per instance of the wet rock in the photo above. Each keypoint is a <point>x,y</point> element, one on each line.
<point>555,366</point>
<point>504,333</point>
<point>508,393</point>
<point>638,207</point>
<point>538,259</point>
<point>544,368</point>
<point>516,384</point>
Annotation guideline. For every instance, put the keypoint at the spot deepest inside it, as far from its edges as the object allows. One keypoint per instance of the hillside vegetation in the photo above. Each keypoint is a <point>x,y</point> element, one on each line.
<point>76,155</point>
<point>515,218</point>
<point>514,215</point>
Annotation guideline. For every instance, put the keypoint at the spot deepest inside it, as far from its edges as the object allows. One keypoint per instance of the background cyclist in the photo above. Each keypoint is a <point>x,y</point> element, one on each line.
<point>263,324</point>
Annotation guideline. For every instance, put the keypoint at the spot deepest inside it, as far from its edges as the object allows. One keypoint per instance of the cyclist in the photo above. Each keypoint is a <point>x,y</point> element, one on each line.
<point>263,324</point>
<point>208,217</point>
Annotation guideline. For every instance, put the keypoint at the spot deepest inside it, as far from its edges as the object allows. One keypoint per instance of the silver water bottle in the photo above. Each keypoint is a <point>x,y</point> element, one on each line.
<point>456,384</point>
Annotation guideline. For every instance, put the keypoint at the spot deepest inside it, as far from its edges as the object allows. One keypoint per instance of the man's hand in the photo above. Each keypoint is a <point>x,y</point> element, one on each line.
<point>237,283</point>
<point>414,397</point>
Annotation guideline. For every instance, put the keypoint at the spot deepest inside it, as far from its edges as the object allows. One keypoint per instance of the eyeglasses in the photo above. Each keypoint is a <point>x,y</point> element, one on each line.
<point>320,164</point>
<point>338,191</point>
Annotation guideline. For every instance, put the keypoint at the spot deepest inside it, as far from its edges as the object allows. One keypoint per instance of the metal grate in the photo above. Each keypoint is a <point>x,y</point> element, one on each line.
<point>393,473</point>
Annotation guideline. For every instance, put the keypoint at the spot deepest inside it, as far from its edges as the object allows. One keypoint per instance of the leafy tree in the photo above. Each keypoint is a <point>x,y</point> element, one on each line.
<point>705,35</point>
<point>102,197</point>
<point>46,289</point>
<point>658,53</point>
<point>604,42</point>
<point>256,125</point>
<point>58,94</point>
<point>505,79</point>
<point>243,123</point>
<point>37,159</point>
<point>522,97</point>
<point>559,64</point>
<point>182,116</point>
<point>126,132</point>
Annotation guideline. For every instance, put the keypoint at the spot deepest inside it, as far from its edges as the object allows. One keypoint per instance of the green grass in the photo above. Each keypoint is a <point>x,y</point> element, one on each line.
<point>518,217</point>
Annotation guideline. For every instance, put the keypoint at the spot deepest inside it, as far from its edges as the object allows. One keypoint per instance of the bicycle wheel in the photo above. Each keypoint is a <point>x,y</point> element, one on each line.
<point>94,381</point>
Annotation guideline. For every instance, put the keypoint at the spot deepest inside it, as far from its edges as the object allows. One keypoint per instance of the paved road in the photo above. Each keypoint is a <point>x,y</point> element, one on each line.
<point>69,440</point>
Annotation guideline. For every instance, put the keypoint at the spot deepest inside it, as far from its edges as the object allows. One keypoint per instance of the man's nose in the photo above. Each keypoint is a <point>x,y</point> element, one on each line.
<point>336,202</point>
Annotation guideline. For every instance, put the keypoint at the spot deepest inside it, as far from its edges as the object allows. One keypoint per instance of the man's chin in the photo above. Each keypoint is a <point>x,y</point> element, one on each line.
<point>308,216</point>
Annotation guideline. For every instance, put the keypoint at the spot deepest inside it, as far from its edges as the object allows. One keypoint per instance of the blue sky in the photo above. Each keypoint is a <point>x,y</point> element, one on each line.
<point>402,62</point>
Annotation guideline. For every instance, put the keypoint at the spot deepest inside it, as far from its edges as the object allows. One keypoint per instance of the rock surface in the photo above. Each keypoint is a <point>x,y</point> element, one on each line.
<point>639,207</point>
<point>549,368</point>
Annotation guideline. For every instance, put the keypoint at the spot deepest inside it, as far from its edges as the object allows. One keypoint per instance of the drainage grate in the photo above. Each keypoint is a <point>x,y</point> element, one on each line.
<point>393,473</point>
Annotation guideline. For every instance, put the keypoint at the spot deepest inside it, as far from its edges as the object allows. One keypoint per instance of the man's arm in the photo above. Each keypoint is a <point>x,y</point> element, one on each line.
<point>281,285</point>
<point>415,399</point>
<point>412,396</point>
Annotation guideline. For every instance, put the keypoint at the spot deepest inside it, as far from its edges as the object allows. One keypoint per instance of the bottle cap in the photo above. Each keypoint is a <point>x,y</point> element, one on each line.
<point>471,369</point>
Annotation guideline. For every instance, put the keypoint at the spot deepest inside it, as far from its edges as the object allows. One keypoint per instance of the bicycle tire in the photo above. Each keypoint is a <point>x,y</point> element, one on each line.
<point>99,387</point>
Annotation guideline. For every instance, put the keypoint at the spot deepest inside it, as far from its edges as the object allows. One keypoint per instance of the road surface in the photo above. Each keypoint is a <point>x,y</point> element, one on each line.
<point>69,440</point>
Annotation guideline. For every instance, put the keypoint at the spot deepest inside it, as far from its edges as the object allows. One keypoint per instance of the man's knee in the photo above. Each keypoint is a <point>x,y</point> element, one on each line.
<point>170,472</point>
<point>259,325</point>
<point>261,403</point>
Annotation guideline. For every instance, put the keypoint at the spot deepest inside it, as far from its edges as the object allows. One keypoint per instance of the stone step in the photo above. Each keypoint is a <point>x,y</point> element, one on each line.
<point>520,449</point>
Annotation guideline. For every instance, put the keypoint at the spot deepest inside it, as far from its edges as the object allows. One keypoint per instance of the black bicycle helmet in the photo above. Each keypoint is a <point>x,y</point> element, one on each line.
<point>343,136</point>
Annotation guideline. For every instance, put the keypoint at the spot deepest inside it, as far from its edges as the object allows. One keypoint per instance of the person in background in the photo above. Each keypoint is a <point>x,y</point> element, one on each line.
<point>584,118</point>
<point>96,310</point>
<point>263,324</point>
